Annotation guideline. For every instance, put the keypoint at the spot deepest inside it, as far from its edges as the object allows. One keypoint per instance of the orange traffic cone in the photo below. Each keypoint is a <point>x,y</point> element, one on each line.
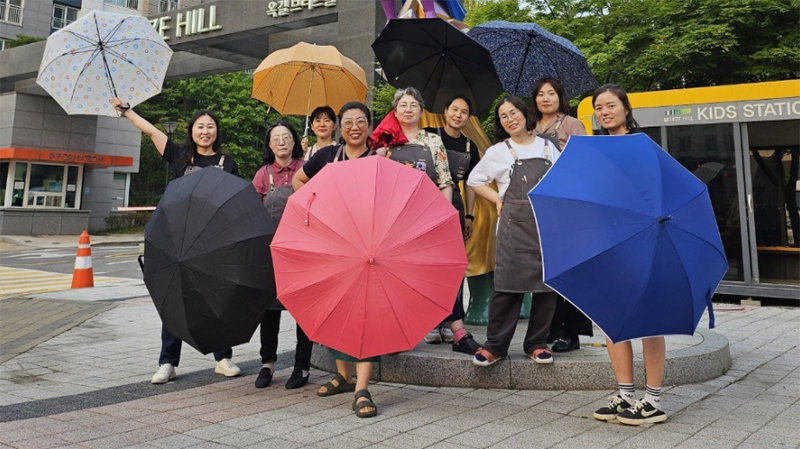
<point>82,275</point>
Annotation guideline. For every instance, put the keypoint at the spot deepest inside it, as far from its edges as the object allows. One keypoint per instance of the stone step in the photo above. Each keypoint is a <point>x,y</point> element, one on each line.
<point>690,359</point>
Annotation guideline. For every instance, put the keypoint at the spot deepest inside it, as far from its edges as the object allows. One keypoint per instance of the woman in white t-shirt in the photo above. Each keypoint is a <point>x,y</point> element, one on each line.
<point>516,164</point>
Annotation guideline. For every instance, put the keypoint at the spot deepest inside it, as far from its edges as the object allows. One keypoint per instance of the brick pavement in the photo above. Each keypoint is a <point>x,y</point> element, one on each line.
<point>88,388</point>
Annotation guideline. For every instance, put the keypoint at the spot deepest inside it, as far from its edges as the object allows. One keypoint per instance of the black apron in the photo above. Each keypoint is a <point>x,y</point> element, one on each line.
<point>518,261</point>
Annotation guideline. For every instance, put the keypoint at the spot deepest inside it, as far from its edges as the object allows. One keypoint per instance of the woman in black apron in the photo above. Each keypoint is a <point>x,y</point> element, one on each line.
<point>613,111</point>
<point>550,110</point>
<point>516,164</point>
<point>462,156</point>
<point>201,148</point>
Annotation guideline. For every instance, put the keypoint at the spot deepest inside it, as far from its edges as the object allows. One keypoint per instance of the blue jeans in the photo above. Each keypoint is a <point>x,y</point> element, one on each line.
<point>171,349</point>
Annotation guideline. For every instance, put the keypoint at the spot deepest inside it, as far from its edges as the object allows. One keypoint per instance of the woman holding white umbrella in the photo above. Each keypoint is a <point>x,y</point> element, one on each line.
<point>201,148</point>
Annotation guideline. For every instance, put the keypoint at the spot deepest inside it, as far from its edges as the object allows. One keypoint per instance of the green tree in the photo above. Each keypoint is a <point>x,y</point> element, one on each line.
<point>22,39</point>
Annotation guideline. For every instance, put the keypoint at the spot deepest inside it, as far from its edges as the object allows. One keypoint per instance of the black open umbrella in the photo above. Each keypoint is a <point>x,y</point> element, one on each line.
<point>207,263</point>
<point>439,60</point>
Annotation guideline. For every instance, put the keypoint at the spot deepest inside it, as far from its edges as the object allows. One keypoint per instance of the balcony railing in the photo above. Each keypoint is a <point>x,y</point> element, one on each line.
<point>167,5</point>
<point>132,4</point>
<point>10,13</point>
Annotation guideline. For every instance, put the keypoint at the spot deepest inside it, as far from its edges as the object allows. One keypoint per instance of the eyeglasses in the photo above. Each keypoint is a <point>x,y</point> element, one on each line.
<point>413,105</point>
<point>283,138</point>
<point>360,122</point>
<point>512,115</point>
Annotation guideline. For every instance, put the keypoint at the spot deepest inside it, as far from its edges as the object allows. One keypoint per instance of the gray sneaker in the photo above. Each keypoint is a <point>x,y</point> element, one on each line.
<point>433,337</point>
<point>446,333</point>
<point>165,373</point>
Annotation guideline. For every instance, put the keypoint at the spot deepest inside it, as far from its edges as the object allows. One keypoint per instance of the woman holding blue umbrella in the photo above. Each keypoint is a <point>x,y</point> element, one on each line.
<point>516,164</point>
<point>613,111</point>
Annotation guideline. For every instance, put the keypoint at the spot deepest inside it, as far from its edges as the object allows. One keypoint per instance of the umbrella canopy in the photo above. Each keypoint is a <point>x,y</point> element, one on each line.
<point>439,60</point>
<point>299,78</point>
<point>525,52</point>
<point>368,257</point>
<point>628,236</point>
<point>207,264</point>
<point>100,56</point>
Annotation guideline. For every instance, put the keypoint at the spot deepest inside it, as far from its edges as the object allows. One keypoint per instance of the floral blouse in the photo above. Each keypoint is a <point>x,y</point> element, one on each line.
<point>434,143</point>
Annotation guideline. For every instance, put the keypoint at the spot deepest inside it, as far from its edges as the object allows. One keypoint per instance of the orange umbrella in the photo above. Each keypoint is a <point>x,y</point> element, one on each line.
<point>368,257</point>
<point>299,78</point>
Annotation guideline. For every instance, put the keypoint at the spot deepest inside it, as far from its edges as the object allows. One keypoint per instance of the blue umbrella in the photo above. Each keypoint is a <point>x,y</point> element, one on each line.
<point>524,52</point>
<point>629,236</point>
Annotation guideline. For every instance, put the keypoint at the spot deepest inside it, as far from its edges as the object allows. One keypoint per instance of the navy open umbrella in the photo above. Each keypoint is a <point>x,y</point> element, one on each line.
<point>207,263</point>
<point>524,52</point>
<point>439,60</point>
<point>629,236</point>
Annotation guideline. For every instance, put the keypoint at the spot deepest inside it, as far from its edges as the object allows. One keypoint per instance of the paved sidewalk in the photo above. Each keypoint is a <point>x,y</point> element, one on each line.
<point>89,388</point>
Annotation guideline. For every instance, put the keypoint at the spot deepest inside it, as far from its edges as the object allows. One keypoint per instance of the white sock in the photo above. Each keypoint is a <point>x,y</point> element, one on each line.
<point>627,392</point>
<point>270,365</point>
<point>653,396</point>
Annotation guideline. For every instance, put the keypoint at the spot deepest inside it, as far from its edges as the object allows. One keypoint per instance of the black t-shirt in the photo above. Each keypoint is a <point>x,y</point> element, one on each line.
<point>324,156</point>
<point>459,144</point>
<point>174,154</point>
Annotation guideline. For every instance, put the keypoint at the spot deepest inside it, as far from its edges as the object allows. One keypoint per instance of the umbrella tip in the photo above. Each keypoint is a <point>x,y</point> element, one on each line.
<point>664,219</point>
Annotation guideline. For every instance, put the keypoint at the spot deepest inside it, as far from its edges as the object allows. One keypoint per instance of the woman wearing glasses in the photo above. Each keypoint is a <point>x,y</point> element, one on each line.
<point>516,164</point>
<point>282,159</point>
<point>354,119</point>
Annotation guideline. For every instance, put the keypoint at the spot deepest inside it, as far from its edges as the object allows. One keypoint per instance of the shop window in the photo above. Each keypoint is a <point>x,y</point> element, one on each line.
<point>45,185</point>
<point>3,182</point>
<point>18,188</point>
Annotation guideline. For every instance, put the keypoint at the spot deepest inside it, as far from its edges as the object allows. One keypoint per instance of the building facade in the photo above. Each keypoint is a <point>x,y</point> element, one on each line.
<point>59,173</point>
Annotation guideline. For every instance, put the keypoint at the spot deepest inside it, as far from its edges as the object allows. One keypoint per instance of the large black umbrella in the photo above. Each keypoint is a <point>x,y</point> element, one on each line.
<point>439,60</point>
<point>525,52</point>
<point>207,263</point>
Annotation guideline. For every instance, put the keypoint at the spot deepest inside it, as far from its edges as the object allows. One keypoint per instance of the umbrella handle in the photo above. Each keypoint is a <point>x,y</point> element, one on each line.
<point>308,205</point>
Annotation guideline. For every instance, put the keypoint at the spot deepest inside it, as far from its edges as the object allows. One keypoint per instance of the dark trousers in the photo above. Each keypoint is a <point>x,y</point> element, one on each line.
<point>504,310</point>
<point>458,307</point>
<point>569,321</point>
<point>270,326</point>
<point>171,349</point>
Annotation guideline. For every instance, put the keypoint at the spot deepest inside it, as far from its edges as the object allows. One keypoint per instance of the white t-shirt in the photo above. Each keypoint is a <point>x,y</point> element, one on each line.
<point>495,165</point>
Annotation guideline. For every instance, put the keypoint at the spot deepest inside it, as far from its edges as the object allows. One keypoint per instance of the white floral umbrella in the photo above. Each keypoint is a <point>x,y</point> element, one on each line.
<point>100,56</point>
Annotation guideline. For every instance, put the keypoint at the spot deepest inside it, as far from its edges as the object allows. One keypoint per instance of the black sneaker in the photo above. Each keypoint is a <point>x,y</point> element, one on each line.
<point>467,345</point>
<point>264,378</point>
<point>297,379</point>
<point>642,412</point>
<point>615,406</point>
<point>566,343</point>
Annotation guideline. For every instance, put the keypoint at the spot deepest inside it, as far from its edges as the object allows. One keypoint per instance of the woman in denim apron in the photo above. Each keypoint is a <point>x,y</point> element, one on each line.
<point>516,164</point>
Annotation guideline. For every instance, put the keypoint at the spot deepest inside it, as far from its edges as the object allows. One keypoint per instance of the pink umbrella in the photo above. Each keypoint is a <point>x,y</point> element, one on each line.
<point>368,257</point>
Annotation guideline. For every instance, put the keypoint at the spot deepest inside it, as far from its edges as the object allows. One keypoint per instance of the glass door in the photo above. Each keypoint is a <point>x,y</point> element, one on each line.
<point>772,161</point>
<point>710,152</point>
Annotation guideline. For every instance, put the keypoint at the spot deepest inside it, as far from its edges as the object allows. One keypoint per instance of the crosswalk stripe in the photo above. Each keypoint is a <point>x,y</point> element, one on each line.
<point>20,281</point>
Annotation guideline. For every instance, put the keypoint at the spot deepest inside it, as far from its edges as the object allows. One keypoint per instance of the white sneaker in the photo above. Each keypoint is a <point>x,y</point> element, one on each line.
<point>165,373</point>
<point>447,334</point>
<point>227,368</point>
<point>434,336</point>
